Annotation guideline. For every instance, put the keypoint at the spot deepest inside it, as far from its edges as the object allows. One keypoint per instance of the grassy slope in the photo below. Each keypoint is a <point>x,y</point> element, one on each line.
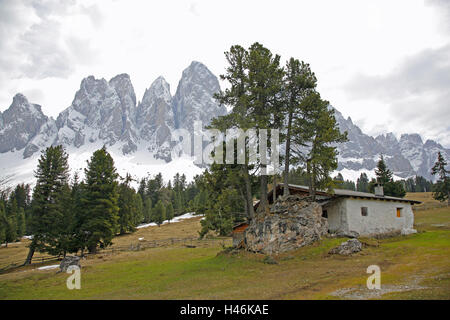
<point>419,260</point>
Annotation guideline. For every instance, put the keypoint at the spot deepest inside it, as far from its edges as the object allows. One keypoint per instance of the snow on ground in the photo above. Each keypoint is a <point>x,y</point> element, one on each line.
<point>139,164</point>
<point>53,266</point>
<point>176,219</point>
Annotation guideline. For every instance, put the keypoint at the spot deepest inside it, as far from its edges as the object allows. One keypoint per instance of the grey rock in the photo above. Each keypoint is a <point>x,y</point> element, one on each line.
<point>69,261</point>
<point>292,223</point>
<point>347,248</point>
<point>347,234</point>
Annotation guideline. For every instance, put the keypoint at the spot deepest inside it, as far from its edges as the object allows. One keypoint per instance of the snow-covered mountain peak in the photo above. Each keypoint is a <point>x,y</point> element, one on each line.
<point>106,113</point>
<point>411,138</point>
<point>159,89</point>
<point>194,98</point>
<point>124,88</point>
<point>20,123</point>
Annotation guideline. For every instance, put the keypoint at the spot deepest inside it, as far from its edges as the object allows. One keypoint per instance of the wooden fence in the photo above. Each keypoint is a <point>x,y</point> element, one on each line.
<point>140,245</point>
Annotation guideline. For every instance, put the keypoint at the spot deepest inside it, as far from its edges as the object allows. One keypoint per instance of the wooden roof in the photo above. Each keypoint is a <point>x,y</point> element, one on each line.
<point>338,193</point>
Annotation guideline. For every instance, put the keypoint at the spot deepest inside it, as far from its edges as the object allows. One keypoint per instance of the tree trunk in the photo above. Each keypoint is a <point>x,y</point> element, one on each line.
<point>248,193</point>
<point>263,197</point>
<point>311,178</point>
<point>30,255</point>
<point>274,188</point>
<point>287,156</point>
<point>244,198</point>
<point>93,248</point>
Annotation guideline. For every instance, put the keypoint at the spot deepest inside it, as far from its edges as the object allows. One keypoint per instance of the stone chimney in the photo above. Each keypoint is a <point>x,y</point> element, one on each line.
<point>379,190</point>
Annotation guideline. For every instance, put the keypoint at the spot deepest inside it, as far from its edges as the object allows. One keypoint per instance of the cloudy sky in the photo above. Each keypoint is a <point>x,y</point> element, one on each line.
<point>386,64</point>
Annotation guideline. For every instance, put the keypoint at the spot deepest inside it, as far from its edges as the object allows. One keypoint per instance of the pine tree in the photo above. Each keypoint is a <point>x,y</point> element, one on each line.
<point>237,96</point>
<point>78,238</point>
<point>101,212</point>
<point>299,81</point>
<point>385,177</point>
<point>362,184</point>
<point>169,212</point>
<point>383,174</point>
<point>21,225</point>
<point>153,187</point>
<point>3,223</point>
<point>49,204</point>
<point>441,190</point>
<point>127,207</point>
<point>321,131</point>
<point>147,209</point>
<point>159,213</point>
<point>12,212</point>
<point>222,214</point>
<point>139,210</point>
<point>265,79</point>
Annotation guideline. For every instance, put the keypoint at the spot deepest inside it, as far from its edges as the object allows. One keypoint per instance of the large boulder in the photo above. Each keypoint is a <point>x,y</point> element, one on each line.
<point>347,248</point>
<point>292,222</point>
<point>69,261</point>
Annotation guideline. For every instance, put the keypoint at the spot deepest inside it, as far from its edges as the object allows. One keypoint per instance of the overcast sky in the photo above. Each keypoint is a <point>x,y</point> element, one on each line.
<point>386,64</point>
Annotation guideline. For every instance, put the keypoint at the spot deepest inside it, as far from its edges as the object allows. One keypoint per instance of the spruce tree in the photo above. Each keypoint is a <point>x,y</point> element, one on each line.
<point>49,204</point>
<point>21,225</point>
<point>384,176</point>
<point>147,209</point>
<point>101,212</point>
<point>441,190</point>
<point>139,209</point>
<point>3,223</point>
<point>159,213</point>
<point>12,212</point>
<point>169,212</point>
<point>362,184</point>
<point>78,193</point>
<point>127,207</point>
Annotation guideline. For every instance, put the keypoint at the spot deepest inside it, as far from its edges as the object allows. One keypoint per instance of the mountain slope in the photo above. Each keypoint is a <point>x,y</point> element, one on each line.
<point>139,135</point>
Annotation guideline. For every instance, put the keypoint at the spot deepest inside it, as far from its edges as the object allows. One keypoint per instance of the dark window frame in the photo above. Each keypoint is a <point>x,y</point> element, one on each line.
<point>364,211</point>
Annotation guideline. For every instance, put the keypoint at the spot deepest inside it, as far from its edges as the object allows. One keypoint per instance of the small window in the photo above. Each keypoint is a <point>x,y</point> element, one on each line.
<point>325,214</point>
<point>364,211</point>
<point>399,212</point>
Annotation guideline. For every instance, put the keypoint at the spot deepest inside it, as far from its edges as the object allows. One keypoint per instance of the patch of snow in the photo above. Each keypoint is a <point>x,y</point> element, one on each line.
<point>53,266</point>
<point>185,216</point>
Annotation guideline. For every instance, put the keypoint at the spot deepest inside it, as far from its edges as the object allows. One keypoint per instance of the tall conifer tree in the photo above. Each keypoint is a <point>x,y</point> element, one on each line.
<point>101,212</point>
<point>49,204</point>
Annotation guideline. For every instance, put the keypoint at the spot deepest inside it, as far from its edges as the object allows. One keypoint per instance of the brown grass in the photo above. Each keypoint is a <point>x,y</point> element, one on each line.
<point>427,200</point>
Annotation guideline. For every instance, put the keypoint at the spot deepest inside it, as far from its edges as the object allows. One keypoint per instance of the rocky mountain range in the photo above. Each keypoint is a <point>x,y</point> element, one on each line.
<point>107,112</point>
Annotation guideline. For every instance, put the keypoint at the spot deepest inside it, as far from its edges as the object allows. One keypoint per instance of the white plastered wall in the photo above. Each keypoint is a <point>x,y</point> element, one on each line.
<point>345,215</point>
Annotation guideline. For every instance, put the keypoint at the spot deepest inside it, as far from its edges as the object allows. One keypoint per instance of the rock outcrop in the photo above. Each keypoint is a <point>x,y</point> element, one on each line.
<point>293,222</point>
